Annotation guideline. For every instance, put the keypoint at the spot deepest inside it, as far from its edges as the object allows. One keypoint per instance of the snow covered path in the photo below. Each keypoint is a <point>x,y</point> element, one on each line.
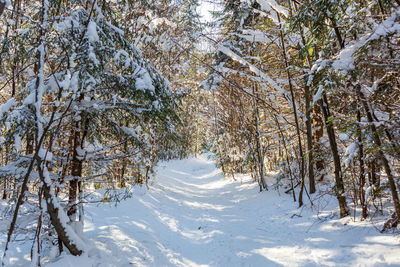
<point>191,216</point>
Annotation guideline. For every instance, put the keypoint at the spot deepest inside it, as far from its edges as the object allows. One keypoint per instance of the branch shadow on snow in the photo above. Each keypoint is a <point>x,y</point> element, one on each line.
<point>193,217</point>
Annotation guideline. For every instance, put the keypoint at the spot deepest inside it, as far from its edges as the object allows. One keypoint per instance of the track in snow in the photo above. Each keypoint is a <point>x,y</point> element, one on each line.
<point>192,216</point>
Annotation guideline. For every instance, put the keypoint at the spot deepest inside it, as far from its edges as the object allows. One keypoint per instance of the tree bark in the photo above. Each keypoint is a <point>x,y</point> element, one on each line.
<point>5,187</point>
<point>53,211</point>
<point>2,6</point>
<point>362,169</point>
<point>309,140</point>
<point>317,135</point>
<point>260,154</point>
<point>294,113</point>
<point>76,171</point>
<point>339,187</point>
<point>217,135</point>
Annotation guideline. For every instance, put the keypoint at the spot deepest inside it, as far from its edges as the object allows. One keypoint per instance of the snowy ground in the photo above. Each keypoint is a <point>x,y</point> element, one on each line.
<point>191,216</point>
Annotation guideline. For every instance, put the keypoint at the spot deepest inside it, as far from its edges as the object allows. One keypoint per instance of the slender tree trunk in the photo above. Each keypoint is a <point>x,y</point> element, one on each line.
<point>294,113</point>
<point>16,8</point>
<point>2,7</point>
<point>380,154</point>
<point>339,187</point>
<point>53,211</point>
<point>40,138</point>
<point>4,196</point>
<point>24,186</point>
<point>5,186</point>
<point>77,163</point>
<point>373,178</point>
<point>35,250</point>
<point>308,100</point>
<point>309,140</point>
<point>287,158</point>
<point>76,173</point>
<point>318,133</point>
<point>217,135</point>
<point>80,199</point>
<point>260,154</point>
<point>362,169</point>
<point>337,33</point>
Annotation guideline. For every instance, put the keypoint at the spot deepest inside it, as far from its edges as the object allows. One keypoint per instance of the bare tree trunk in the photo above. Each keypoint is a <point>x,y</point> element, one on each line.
<point>24,186</point>
<point>217,135</point>
<point>287,158</point>
<point>77,163</point>
<point>317,135</point>
<point>309,140</point>
<point>80,199</point>
<point>4,196</point>
<point>340,193</point>
<point>308,100</point>
<point>35,255</point>
<point>260,154</point>
<point>53,211</point>
<point>362,169</point>
<point>76,172</point>
<point>380,154</point>
<point>339,187</point>
<point>294,113</point>
<point>2,6</point>
<point>373,178</point>
<point>5,187</point>
<point>18,204</point>
<point>40,139</point>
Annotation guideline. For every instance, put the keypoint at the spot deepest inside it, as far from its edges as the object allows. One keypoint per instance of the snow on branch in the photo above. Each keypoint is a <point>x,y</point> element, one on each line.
<point>345,61</point>
<point>272,7</point>
<point>252,68</point>
<point>269,5</point>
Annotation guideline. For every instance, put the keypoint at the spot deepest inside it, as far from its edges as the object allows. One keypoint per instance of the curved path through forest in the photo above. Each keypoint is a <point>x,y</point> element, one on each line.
<point>191,216</point>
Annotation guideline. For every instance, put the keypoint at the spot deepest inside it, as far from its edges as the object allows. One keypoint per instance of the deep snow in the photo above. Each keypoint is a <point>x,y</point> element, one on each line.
<point>192,216</point>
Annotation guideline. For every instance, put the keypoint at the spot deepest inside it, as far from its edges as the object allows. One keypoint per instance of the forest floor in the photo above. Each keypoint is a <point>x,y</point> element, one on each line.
<point>192,216</point>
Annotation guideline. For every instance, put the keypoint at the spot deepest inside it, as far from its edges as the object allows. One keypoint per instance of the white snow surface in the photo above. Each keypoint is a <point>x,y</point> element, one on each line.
<point>192,216</point>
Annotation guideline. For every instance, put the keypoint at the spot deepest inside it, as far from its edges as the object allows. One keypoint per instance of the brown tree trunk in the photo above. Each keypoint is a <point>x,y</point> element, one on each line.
<point>373,178</point>
<point>339,187</point>
<point>53,211</point>
<point>294,113</point>
<point>5,186</point>
<point>260,154</point>
<point>217,135</point>
<point>362,169</point>
<point>4,196</point>
<point>77,163</point>
<point>309,140</point>
<point>317,135</point>
<point>2,7</point>
<point>76,171</point>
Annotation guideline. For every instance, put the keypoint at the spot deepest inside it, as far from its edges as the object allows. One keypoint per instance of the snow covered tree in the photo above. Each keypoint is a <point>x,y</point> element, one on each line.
<point>321,48</point>
<point>92,100</point>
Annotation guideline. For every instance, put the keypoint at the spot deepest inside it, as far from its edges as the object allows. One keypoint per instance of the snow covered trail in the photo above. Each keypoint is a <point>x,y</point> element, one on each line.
<point>192,216</point>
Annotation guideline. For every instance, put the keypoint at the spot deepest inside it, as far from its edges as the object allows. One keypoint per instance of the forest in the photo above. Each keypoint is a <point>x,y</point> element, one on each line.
<point>300,97</point>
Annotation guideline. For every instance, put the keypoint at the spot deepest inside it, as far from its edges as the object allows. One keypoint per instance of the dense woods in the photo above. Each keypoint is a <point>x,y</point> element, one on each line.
<point>311,88</point>
<point>95,93</point>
